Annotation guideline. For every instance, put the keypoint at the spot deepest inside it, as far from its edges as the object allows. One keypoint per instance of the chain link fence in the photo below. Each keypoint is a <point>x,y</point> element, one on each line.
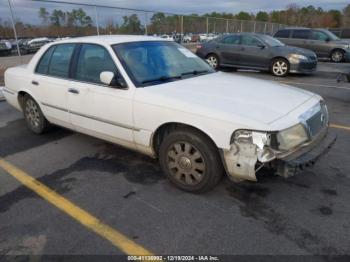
<point>21,21</point>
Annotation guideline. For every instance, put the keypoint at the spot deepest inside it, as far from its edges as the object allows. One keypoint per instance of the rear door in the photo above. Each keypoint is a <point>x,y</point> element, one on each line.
<point>229,50</point>
<point>254,53</point>
<point>96,108</point>
<point>51,81</point>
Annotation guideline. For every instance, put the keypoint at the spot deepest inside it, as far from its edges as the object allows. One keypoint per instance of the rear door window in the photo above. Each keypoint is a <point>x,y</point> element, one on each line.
<point>231,40</point>
<point>301,34</point>
<point>283,33</point>
<point>60,60</point>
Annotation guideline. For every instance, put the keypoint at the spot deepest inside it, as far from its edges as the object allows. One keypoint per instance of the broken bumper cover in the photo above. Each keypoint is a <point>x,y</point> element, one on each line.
<point>307,157</point>
<point>242,164</point>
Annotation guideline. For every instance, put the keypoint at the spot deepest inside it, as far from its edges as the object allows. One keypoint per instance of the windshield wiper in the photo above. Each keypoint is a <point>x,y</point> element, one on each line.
<point>161,79</point>
<point>195,72</point>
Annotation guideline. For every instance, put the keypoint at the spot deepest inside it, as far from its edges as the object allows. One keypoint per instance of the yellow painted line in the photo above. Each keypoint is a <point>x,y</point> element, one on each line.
<point>122,242</point>
<point>340,127</point>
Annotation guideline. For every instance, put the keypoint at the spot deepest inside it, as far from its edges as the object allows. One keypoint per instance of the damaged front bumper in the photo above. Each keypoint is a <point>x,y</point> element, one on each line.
<point>243,163</point>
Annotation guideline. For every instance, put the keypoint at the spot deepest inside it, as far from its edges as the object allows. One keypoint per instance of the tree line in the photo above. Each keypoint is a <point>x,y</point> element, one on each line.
<point>59,23</point>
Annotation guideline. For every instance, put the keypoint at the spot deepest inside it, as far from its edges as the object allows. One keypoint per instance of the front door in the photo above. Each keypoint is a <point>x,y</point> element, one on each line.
<point>254,52</point>
<point>95,108</point>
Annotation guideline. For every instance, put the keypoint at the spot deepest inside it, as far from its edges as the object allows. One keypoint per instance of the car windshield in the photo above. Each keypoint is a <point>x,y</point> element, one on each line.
<point>271,41</point>
<point>156,62</point>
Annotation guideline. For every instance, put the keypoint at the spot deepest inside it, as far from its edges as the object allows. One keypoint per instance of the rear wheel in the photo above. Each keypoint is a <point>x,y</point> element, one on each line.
<point>213,61</point>
<point>337,56</point>
<point>280,67</point>
<point>190,161</point>
<point>35,119</point>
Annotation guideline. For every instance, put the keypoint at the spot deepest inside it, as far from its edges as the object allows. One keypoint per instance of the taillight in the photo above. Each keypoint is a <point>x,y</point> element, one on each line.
<point>198,46</point>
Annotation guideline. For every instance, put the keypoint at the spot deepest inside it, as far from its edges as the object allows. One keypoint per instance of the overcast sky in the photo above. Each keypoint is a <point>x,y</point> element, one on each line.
<point>203,6</point>
<point>27,10</point>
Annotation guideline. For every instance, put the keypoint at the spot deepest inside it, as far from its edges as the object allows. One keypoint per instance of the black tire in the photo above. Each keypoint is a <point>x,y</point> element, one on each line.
<point>280,67</point>
<point>202,172</point>
<point>337,56</point>
<point>33,116</point>
<point>213,60</point>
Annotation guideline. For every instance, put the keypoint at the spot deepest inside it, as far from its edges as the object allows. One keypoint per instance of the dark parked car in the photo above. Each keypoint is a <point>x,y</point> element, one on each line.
<point>257,51</point>
<point>323,42</point>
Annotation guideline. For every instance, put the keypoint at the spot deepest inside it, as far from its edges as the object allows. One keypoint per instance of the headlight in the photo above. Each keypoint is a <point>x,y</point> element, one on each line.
<point>261,140</point>
<point>291,137</point>
<point>295,58</point>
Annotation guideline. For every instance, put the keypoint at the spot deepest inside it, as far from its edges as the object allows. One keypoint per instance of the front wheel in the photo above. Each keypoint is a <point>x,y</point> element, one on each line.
<point>337,56</point>
<point>35,119</point>
<point>213,61</point>
<point>280,67</point>
<point>190,161</point>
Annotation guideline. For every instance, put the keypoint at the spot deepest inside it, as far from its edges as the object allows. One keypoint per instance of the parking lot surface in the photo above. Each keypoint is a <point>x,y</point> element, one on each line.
<point>303,215</point>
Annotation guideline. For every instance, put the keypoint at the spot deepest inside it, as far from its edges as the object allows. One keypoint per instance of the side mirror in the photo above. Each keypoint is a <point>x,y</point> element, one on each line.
<point>261,46</point>
<point>106,77</point>
<point>112,80</point>
<point>328,39</point>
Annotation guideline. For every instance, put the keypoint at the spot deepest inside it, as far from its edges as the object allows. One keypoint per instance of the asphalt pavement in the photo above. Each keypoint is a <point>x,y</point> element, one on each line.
<point>304,215</point>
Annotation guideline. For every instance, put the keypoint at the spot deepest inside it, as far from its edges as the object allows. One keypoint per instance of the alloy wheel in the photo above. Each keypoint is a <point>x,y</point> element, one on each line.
<point>186,163</point>
<point>280,68</point>
<point>337,56</point>
<point>212,61</point>
<point>32,113</point>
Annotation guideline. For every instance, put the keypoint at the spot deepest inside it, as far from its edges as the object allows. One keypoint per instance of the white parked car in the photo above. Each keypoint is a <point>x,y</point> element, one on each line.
<point>158,98</point>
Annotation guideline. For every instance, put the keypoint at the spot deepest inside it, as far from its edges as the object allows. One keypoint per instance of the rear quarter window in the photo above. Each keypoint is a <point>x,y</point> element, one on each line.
<point>44,61</point>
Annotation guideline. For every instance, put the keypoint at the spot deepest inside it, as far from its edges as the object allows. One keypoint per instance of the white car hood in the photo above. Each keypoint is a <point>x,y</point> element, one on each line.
<point>224,96</point>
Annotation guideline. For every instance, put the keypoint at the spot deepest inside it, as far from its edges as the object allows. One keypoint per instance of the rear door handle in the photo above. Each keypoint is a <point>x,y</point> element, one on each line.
<point>36,83</point>
<point>73,91</point>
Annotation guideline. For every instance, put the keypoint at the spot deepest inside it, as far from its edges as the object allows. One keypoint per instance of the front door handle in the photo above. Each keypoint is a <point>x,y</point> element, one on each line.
<point>73,91</point>
<point>36,83</point>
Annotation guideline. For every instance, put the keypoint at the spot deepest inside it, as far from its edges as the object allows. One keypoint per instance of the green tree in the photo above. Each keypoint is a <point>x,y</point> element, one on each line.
<point>57,17</point>
<point>243,16</point>
<point>131,25</point>
<point>44,15</point>
<point>262,16</point>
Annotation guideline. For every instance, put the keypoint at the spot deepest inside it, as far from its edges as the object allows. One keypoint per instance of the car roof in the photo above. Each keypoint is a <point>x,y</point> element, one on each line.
<point>110,39</point>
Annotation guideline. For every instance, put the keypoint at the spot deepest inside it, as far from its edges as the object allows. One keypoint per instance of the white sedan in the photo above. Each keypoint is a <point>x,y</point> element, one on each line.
<point>156,97</point>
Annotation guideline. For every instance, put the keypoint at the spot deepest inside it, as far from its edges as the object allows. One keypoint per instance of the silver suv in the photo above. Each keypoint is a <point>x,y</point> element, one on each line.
<point>323,42</point>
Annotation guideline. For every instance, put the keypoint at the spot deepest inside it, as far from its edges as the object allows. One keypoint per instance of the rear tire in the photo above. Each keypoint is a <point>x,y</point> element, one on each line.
<point>213,61</point>
<point>337,56</point>
<point>190,160</point>
<point>33,115</point>
<point>280,67</point>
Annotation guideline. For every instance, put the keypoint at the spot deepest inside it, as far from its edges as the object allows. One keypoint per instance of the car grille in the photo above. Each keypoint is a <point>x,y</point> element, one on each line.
<point>315,119</point>
<point>3,46</point>
<point>313,58</point>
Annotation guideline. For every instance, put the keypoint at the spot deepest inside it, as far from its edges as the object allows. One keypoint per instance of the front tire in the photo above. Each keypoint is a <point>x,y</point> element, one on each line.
<point>213,61</point>
<point>190,160</point>
<point>34,117</point>
<point>280,67</point>
<point>337,56</point>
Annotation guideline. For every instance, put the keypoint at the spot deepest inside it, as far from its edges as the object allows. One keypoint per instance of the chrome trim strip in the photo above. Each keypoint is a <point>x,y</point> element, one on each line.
<point>56,107</point>
<point>93,118</point>
<point>9,91</point>
<point>104,121</point>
